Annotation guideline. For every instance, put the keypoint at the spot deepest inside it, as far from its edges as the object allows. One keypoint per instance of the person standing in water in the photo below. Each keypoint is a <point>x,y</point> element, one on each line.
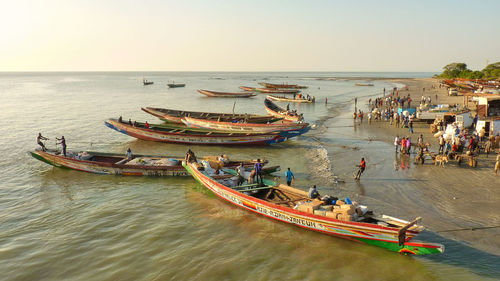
<point>362,167</point>
<point>289,177</point>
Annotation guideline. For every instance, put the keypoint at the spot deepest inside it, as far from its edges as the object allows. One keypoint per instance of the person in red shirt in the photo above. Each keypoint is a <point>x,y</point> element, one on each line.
<point>362,167</point>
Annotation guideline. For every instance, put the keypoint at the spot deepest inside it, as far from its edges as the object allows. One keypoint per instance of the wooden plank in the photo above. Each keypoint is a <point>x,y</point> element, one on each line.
<point>246,185</point>
<point>253,189</point>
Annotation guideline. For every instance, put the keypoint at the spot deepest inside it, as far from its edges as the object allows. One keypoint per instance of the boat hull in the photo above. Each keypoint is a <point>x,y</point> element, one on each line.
<point>199,138</point>
<point>279,112</point>
<point>281,86</point>
<point>226,95</point>
<point>243,127</point>
<point>376,235</point>
<point>274,98</point>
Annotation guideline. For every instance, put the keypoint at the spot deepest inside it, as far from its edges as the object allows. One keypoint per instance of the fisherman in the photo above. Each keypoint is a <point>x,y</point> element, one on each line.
<point>190,157</point>
<point>241,174</point>
<point>258,171</point>
<point>120,119</point>
<point>63,143</point>
<point>396,143</point>
<point>289,177</point>
<point>362,167</point>
<point>39,140</point>
<point>288,107</point>
<point>313,192</point>
<point>146,125</point>
<point>129,153</point>
<point>130,122</point>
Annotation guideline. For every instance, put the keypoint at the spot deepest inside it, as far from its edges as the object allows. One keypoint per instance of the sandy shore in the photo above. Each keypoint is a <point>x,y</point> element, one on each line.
<point>447,198</point>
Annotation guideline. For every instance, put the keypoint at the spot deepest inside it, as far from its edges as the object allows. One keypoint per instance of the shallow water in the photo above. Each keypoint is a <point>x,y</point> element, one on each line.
<point>60,224</point>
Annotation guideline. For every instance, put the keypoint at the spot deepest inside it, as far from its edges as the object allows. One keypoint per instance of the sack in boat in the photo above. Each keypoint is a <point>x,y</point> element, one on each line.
<point>320,212</point>
<point>339,202</point>
<point>343,217</point>
<point>327,208</point>
<point>332,215</point>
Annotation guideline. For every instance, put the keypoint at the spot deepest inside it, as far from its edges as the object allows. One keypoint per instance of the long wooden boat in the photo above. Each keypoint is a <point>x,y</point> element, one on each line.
<point>277,111</point>
<point>138,165</point>
<point>277,91</point>
<point>146,82</point>
<point>285,99</point>
<point>173,85</point>
<point>283,203</point>
<point>175,116</point>
<point>187,136</point>
<point>226,95</point>
<point>281,86</point>
<point>248,89</point>
<point>231,127</point>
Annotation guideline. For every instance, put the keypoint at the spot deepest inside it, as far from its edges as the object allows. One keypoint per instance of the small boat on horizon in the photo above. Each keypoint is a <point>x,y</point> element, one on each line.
<point>291,205</point>
<point>174,85</point>
<point>226,95</point>
<point>364,84</point>
<point>145,82</point>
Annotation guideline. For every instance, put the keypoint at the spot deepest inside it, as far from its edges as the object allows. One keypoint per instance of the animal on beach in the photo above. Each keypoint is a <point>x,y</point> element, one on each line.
<point>441,160</point>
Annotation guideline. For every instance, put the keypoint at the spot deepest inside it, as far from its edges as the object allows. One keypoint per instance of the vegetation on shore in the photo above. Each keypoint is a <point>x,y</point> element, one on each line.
<point>460,70</point>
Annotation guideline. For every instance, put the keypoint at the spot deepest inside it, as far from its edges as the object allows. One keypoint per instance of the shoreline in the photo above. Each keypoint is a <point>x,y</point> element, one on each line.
<point>449,197</point>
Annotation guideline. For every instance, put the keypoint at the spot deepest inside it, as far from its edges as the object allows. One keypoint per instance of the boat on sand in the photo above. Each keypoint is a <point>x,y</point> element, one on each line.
<point>290,205</point>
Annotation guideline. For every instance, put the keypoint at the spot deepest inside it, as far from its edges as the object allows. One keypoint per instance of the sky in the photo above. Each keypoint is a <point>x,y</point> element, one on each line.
<point>257,35</point>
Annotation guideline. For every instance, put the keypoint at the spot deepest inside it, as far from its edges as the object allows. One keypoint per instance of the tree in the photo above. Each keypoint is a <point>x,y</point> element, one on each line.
<point>492,70</point>
<point>454,70</point>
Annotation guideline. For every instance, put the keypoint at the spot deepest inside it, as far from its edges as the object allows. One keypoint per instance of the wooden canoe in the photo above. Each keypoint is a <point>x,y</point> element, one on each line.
<point>285,99</point>
<point>248,89</point>
<point>282,203</point>
<point>277,111</point>
<point>138,165</point>
<point>277,91</point>
<point>146,82</point>
<point>187,136</point>
<point>281,86</point>
<point>173,85</point>
<point>225,94</point>
<point>175,116</point>
<point>232,127</point>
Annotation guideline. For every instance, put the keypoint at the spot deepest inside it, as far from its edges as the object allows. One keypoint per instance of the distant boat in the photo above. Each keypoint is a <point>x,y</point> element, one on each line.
<point>277,91</point>
<point>281,86</point>
<point>173,85</point>
<point>364,84</point>
<point>285,99</point>
<point>146,82</point>
<point>226,95</point>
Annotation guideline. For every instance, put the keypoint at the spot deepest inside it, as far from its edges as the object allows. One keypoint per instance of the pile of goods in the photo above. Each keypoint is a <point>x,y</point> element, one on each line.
<point>344,210</point>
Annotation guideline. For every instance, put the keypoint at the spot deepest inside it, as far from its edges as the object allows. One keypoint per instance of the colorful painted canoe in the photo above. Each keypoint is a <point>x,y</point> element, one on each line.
<point>279,202</point>
<point>173,85</point>
<point>285,99</point>
<point>281,86</point>
<point>175,116</point>
<point>225,94</point>
<point>138,165</point>
<point>279,112</point>
<point>187,136</point>
<point>251,128</point>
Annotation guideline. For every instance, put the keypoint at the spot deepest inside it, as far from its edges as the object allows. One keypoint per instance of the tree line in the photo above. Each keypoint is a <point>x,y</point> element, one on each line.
<point>460,70</point>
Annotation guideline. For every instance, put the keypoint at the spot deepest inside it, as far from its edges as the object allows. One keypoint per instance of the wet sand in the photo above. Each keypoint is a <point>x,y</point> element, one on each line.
<point>447,198</point>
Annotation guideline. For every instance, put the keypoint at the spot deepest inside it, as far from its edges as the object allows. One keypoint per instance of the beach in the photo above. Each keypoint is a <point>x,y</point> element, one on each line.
<point>447,198</point>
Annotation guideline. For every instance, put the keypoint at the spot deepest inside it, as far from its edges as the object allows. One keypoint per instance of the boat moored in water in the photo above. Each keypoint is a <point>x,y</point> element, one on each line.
<point>187,136</point>
<point>293,206</point>
<point>174,85</point>
<point>286,99</point>
<point>281,86</point>
<point>175,116</point>
<point>277,111</point>
<point>226,95</point>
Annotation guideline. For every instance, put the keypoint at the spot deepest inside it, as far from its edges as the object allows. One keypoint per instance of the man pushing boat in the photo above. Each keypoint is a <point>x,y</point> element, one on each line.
<point>39,140</point>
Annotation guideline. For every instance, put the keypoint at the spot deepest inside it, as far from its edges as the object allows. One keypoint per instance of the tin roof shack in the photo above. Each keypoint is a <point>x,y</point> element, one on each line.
<point>462,119</point>
<point>491,126</point>
<point>487,106</point>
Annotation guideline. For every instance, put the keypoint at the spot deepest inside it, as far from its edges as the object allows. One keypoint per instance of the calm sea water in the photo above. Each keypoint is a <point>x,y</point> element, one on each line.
<point>59,224</point>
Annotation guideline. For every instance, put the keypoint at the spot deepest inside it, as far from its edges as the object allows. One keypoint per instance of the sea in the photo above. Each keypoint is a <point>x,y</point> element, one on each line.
<point>59,224</point>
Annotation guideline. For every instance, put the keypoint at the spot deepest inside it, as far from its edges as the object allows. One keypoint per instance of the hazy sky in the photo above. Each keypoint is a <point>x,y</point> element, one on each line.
<point>122,35</point>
